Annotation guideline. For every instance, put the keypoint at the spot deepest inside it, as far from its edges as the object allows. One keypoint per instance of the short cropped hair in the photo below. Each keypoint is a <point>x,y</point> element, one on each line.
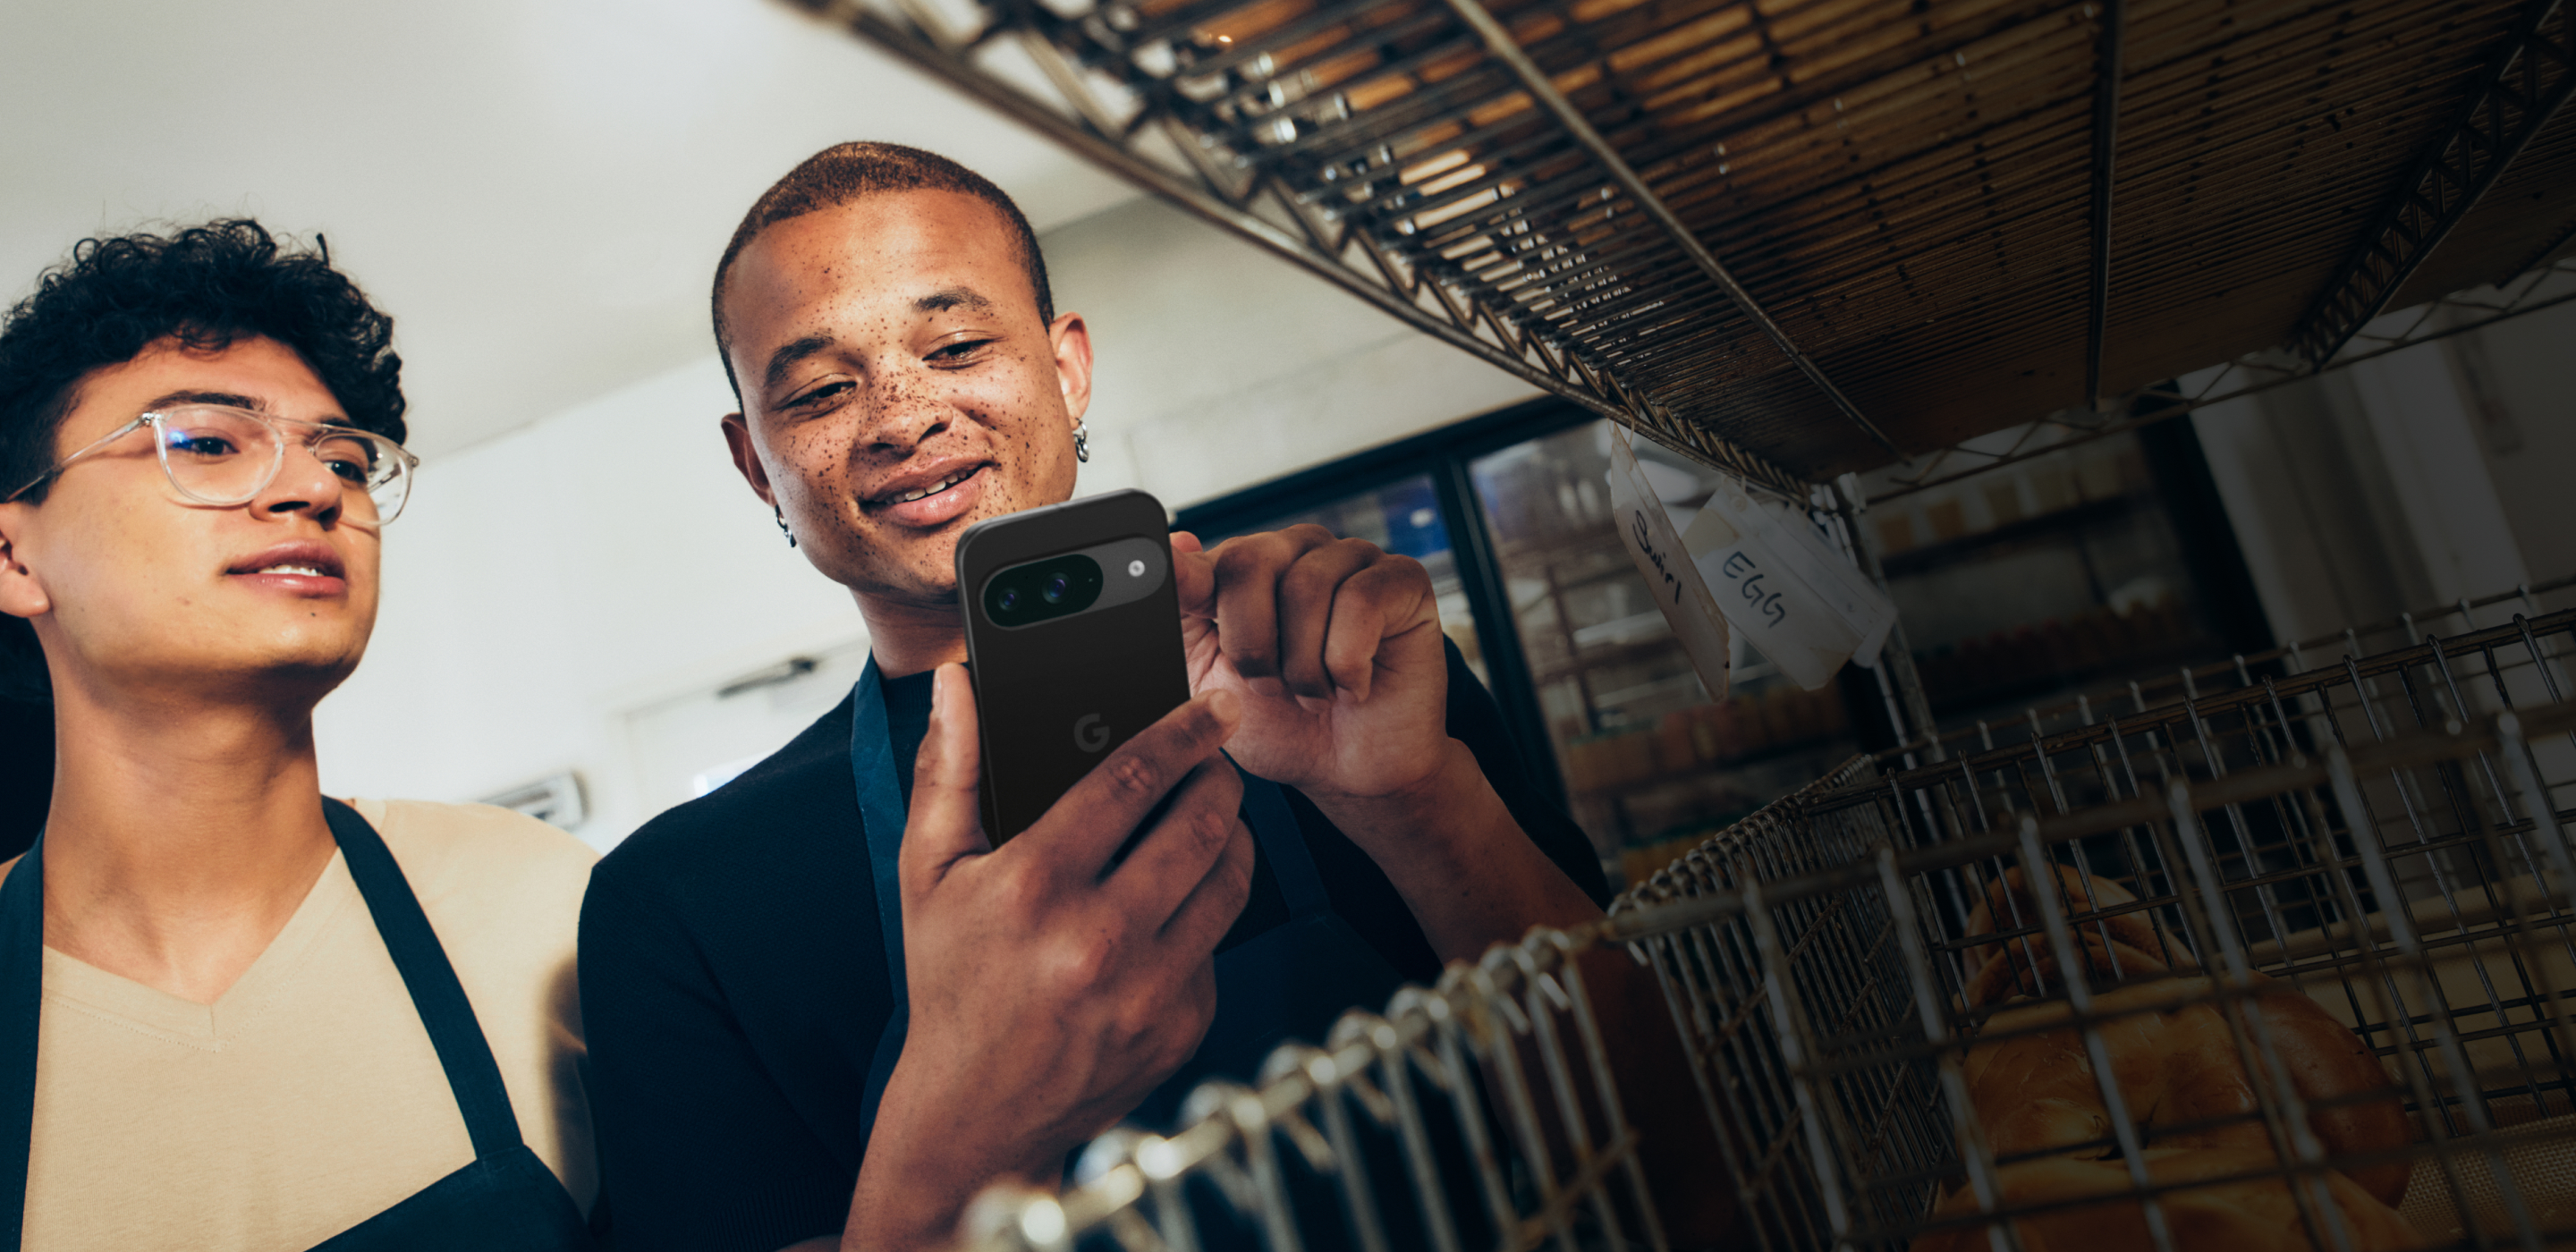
<point>206,286</point>
<point>845,172</point>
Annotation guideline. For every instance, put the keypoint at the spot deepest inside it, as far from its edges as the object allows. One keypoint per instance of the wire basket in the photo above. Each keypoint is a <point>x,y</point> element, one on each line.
<point>2465,616</point>
<point>2282,965</point>
<point>2380,838</point>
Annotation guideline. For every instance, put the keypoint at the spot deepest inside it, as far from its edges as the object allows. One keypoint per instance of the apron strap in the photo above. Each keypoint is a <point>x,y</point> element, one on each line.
<point>440,1000</point>
<point>881,812</point>
<point>881,821</point>
<point>22,999</point>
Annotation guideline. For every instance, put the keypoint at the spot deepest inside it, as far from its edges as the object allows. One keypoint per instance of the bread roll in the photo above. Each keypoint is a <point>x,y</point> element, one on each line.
<point>2327,1064</point>
<point>2259,1215</point>
<point>2032,972</point>
<point>2182,1066</point>
<point>2176,1068</point>
<point>2080,895</point>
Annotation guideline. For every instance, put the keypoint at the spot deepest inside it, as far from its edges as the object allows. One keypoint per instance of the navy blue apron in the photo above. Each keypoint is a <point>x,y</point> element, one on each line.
<point>506,1200</point>
<point>1289,982</point>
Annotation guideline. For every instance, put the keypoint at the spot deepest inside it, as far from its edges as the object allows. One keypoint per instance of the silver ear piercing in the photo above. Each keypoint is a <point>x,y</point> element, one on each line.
<point>1082,444</point>
<point>781,514</point>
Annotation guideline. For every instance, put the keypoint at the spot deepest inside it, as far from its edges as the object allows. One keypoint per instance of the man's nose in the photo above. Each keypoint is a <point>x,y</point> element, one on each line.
<point>905,410</point>
<point>303,483</point>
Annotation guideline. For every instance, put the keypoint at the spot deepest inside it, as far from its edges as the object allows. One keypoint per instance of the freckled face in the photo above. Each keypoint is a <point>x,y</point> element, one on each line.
<point>897,385</point>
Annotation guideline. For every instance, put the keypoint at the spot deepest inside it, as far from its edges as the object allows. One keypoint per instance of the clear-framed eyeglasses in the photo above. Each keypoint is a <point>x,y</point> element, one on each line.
<point>219,455</point>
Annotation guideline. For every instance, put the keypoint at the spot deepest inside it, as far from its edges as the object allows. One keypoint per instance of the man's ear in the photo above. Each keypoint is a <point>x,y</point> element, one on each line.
<point>22,594</point>
<point>1072,341</point>
<point>746,457</point>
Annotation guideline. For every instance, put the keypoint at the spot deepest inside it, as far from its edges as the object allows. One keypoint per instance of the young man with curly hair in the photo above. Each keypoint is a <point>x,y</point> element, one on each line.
<point>235,1013</point>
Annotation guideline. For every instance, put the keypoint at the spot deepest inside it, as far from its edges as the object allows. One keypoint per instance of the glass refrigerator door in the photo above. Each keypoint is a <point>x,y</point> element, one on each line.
<point>1402,517</point>
<point>1651,763</point>
<point>2024,585</point>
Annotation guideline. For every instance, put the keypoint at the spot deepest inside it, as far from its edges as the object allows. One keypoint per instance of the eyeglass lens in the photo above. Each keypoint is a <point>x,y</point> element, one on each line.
<point>226,456</point>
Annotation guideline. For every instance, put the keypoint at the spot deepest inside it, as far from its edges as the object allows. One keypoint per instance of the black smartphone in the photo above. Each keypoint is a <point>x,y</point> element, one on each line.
<point>1073,633</point>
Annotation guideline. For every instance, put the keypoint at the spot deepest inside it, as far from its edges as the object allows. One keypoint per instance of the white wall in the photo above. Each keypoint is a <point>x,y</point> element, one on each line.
<point>2514,377</point>
<point>1221,366</point>
<point>2442,483</point>
<point>554,594</point>
<point>543,584</point>
<point>2405,482</point>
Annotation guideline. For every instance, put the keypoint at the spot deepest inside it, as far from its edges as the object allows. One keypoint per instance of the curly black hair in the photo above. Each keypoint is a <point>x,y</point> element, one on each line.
<point>206,286</point>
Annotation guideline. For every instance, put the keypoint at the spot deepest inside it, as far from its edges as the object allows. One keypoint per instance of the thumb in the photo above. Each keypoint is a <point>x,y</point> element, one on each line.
<point>1194,575</point>
<point>945,824</point>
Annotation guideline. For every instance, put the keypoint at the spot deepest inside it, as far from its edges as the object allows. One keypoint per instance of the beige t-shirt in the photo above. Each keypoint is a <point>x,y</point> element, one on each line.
<point>308,1098</point>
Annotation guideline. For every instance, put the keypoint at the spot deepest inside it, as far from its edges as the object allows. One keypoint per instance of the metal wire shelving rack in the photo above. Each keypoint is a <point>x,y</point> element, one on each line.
<point>2385,837</point>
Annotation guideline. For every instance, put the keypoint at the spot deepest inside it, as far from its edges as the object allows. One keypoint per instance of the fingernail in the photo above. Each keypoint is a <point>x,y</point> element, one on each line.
<point>1225,706</point>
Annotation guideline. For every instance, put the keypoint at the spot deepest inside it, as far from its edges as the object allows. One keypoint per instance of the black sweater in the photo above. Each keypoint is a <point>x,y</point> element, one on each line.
<point>733,980</point>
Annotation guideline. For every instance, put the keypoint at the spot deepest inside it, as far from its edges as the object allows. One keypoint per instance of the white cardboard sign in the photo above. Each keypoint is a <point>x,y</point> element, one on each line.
<point>1666,564</point>
<point>1797,600</point>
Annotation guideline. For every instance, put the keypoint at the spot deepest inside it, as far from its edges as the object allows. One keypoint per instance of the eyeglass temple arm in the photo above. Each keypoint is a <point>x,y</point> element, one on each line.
<point>65,463</point>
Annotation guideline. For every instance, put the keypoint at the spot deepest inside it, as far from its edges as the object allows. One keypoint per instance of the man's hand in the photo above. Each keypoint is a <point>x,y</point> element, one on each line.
<point>1333,647</point>
<point>1050,991</point>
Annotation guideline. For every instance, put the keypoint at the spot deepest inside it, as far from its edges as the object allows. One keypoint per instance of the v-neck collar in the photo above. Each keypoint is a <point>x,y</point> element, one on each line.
<point>173,1019</point>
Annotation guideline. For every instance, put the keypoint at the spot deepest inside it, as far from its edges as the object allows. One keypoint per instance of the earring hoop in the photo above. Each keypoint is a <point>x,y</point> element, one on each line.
<point>781,515</point>
<point>1082,444</point>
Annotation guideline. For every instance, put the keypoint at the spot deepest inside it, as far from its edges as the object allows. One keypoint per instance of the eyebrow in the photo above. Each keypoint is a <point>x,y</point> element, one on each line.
<point>785,359</point>
<point>947,298</point>
<point>226,398</point>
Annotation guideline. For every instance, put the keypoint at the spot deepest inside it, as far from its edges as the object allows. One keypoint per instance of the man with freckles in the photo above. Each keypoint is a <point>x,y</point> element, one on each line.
<point>820,1005</point>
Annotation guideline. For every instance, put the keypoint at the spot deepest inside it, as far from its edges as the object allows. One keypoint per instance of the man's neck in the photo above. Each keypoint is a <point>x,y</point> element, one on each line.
<point>909,637</point>
<point>182,835</point>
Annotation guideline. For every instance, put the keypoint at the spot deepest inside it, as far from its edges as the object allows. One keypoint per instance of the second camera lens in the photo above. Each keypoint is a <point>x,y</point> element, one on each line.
<point>1009,599</point>
<point>1056,586</point>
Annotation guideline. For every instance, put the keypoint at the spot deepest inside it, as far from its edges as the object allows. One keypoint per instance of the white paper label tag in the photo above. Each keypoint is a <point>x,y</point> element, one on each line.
<point>1666,564</point>
<point>1799,602</point>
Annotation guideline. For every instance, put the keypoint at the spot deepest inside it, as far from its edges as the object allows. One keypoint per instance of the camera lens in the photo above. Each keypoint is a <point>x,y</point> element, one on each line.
<point>1009,599</point>
<point>1056,586</point>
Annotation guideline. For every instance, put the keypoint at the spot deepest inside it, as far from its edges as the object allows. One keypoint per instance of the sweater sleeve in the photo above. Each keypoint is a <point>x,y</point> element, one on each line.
<point>1477,721</point>
<point>699,1150</point>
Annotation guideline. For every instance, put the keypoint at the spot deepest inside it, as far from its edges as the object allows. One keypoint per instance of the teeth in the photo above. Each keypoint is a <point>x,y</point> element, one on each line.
<point>306,570</point>
<point>933,489</point>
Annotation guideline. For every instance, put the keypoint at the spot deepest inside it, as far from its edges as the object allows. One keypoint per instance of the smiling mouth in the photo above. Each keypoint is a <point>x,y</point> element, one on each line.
<point>304,568</point>
<point>924,493</point>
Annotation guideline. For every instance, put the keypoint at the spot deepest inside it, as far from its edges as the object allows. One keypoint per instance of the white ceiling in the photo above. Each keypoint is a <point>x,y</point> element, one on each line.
<point>537,190</point>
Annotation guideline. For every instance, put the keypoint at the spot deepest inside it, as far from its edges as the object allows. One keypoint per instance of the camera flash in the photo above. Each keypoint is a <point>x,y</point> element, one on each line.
<point>1135,569</point>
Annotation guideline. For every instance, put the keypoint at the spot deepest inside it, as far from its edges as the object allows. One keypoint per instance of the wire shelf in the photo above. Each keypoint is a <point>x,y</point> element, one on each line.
<point>1793,238</point>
